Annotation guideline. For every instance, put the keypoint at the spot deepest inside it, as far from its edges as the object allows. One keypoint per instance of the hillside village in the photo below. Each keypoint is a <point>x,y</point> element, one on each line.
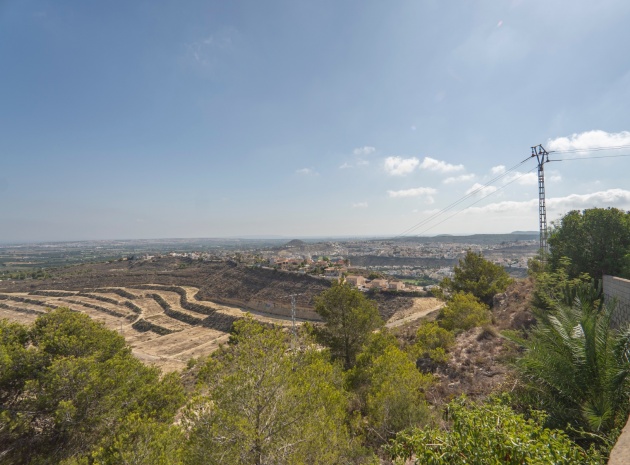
<point>403,262</point>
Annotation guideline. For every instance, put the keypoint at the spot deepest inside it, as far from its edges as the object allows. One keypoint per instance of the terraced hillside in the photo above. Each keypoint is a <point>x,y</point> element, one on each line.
<point>172,309</point>
<point>159,322</point>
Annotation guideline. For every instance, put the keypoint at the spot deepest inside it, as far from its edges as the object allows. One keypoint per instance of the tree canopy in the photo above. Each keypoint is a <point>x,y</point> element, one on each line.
<point>596,241</point>
<point>66,386</point>
<point>477,276</point>
<point>265,404</point>
<point>349,319</point>
<point>462,312</point>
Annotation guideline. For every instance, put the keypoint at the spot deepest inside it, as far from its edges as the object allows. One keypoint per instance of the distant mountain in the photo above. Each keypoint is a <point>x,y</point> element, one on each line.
<point>534,233</point>
<point>295,243</point>
<point>480,239</point>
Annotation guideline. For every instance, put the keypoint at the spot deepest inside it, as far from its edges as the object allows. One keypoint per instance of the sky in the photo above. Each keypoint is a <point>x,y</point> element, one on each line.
<point>158,119</point>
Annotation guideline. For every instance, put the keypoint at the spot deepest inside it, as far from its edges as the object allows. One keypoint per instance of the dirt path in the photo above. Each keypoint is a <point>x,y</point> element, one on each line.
<point>422,307</point>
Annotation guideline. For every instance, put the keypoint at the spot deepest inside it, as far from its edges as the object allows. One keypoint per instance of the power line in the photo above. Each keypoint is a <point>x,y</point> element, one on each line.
<point>591,158</point>
<point>542,156</point>
<point>460,200</point>
<point>592,149</point>
<point>449,207</point>
<point>479,200</point>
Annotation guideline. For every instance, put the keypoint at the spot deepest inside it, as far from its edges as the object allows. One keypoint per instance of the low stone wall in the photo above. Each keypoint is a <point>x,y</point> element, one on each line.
<point>618,289</point>
<point>620,455</point>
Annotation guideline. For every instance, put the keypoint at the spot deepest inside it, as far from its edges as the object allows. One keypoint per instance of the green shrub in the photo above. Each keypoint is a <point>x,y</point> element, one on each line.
<point>433,341</point>
<point>489,433</point>
<point>576,367</point>
<point>462,312</point>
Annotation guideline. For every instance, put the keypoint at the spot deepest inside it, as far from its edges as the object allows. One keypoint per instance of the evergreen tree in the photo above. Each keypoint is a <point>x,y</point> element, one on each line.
<point>264,404</point>
<point>349,319</point>
<point>477,276</point>
<point>596,241</point>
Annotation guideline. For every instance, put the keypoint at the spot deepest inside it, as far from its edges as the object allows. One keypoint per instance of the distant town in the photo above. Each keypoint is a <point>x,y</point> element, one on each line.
<point>401,264</point>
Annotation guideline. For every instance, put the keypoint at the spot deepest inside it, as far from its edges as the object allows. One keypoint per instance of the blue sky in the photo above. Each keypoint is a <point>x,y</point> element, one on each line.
<point>209,119</point>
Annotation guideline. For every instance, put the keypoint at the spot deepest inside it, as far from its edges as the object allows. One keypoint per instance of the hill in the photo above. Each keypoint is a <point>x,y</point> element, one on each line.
<point>171,309</point>
<point>481,239</point>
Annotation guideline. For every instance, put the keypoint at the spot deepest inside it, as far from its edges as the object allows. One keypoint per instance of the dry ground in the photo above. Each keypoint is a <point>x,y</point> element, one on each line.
<point>154,321</point>
<point>421,308</point>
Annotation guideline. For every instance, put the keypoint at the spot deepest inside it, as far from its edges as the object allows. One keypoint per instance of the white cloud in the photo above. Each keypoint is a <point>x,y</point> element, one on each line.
<point>506,216</point>
<point>589,140</point>
<point>360,205</point>
<point>619,198</point>
<point>523,179</point>
<point>361,151</point>
<point>461,178</point>
<point>432,164</point>
<point>204,51</point>
<point>481,190</point>
<point>558,206</point>
<point>414,192</point>
<point>398,166</point>
<point>307,172</point>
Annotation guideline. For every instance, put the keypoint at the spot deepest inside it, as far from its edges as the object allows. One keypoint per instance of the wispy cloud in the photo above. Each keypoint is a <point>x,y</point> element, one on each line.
<point>481,190</point>
<point>359,160</point>
<point>432,164</point>
<point>398,166</point>
<point>557,206</point>
<point>585,141</point>
<point>461,178</point>
<point>426,192</point>
<point>360,205</point>
<point>203,50</point>
<point>363,151</point>
<point>522,179</point>
<point>307,172</point>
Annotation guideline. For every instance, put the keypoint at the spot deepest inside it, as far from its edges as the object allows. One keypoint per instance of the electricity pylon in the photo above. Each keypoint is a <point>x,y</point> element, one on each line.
<point>542,157</point>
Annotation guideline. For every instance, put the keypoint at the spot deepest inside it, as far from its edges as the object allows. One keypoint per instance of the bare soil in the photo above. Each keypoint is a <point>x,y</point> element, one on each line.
<point>169,309</point>
<point>479,362</point>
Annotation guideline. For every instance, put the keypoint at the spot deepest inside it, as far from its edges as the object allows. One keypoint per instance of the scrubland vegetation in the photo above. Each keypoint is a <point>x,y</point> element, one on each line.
<point>345,391</point>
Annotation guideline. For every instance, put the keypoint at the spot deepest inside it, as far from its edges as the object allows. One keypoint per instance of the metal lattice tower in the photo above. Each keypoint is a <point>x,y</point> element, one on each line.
<point>542,157</point>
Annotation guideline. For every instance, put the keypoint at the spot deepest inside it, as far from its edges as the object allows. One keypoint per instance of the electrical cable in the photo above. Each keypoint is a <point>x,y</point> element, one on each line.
<point>591,158</point>
<point>460,200</point>
<point>502,175</point>
<point>477,201</point>
<point>592,149</point>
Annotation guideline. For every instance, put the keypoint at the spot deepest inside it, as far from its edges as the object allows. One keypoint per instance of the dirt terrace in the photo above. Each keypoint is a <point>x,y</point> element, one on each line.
<point>164,325</point>
<point>160,325</point>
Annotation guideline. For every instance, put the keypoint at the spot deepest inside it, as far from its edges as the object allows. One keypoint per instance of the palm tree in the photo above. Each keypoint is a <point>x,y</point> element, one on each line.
<point>576,365</point>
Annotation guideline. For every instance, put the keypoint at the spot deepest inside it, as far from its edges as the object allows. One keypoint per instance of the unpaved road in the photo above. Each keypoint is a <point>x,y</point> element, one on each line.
<point>422,307</point>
